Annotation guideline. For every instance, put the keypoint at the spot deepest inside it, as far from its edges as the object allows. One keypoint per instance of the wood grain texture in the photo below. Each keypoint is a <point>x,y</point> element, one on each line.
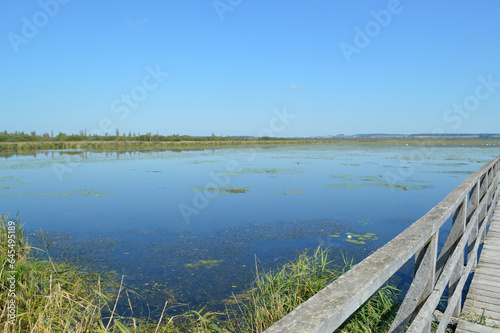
<point>483,298</point>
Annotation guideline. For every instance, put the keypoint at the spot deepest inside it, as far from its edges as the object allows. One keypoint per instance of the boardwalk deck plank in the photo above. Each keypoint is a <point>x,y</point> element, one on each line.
<point>484,287</point>
<point>483,297</point>
<point>475,328</point>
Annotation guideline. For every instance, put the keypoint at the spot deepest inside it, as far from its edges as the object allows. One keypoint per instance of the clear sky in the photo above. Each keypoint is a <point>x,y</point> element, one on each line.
<point>325,67</point>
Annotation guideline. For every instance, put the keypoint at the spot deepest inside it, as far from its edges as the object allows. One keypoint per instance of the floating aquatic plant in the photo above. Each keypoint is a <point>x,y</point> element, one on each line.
<point>88,192</point>
<point>263,171</point>
<point>288,191</point>
<point>219,190</point>
<point>9,182</point>
<point>352,182</point>
<point>360,239</point>
<point>451,172</point>
<point>205,264</point>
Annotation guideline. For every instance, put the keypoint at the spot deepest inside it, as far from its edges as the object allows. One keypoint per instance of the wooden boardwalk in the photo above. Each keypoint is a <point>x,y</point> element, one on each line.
<point>439,271</point>
<point>483,298</point>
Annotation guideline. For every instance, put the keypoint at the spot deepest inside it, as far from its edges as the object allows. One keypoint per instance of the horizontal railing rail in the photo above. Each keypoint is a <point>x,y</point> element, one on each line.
<point>471,206</point>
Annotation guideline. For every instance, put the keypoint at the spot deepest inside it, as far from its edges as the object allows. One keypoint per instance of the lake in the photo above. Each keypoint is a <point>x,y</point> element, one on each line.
<point>189,225</point>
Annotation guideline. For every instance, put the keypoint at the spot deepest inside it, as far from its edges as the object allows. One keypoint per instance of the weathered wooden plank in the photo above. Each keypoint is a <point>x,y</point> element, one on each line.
<point>484,287</point>
<point>456,298</point>
<point>483,297</point>
<point>477,307</point>
<point>493,227</point>
<point>491,255</point>
<point>484,294</point>
<point>468,327</point>
<point>493,265</point>
<point>424,316</point>
<point>488,270</point>
<point>494,234</point>
<point>421,287</point>
<point>495,242</point>
<point>482,281</point>
<point>459,218</point>
<point>488,265</point>
<point>488,275</point>
<point>486,279</point>
<point>493,249</point>
<point>492,246</point>
<point>490,258</point>
<point>481,310</point>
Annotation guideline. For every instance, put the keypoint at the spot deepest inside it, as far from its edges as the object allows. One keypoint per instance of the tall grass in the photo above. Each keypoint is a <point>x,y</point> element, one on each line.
<point>49,298</point>
<point>277,292</point>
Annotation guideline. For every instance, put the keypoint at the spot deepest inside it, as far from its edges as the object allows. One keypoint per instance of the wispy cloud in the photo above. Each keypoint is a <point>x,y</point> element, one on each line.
<point>295,87</point>
<point>138,22</point>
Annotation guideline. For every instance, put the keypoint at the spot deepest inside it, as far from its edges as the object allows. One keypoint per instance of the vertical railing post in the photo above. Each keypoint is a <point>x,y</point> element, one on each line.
<point>428,257</point>
<point>471,207</point>
<point>483,180</point>
<point>421,287</point>
<point>459,221</point>
<point>481,216</point>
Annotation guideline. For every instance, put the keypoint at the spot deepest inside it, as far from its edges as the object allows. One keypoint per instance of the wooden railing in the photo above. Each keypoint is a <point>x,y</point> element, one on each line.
<point>470,206</point>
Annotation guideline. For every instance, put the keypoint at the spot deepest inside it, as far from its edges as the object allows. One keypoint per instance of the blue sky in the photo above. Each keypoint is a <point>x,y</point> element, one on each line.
<point>331,67</point>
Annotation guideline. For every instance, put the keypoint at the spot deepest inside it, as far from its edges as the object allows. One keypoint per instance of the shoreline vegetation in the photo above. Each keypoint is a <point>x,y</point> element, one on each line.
<point>39,295</point>
<point>20,141</point>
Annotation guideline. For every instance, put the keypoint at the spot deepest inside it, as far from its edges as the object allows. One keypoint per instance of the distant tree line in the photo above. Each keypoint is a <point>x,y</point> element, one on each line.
<point>118,136</point>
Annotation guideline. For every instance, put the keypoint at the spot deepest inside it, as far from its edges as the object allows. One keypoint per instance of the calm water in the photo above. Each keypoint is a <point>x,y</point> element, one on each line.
<point>188,225</point>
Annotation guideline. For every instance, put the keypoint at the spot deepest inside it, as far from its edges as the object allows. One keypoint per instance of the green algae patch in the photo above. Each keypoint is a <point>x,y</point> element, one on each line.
<point>87,192</point>
<point>360,239</point>
<point>220,190</point>
<point>288,191</point>
<point>261,171</point>
<point>351,182</point>
<point>204,264</point>
<point>451,172</point>
<point>350,240</point>
<point>236,190</point>
<point>9,182</point>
